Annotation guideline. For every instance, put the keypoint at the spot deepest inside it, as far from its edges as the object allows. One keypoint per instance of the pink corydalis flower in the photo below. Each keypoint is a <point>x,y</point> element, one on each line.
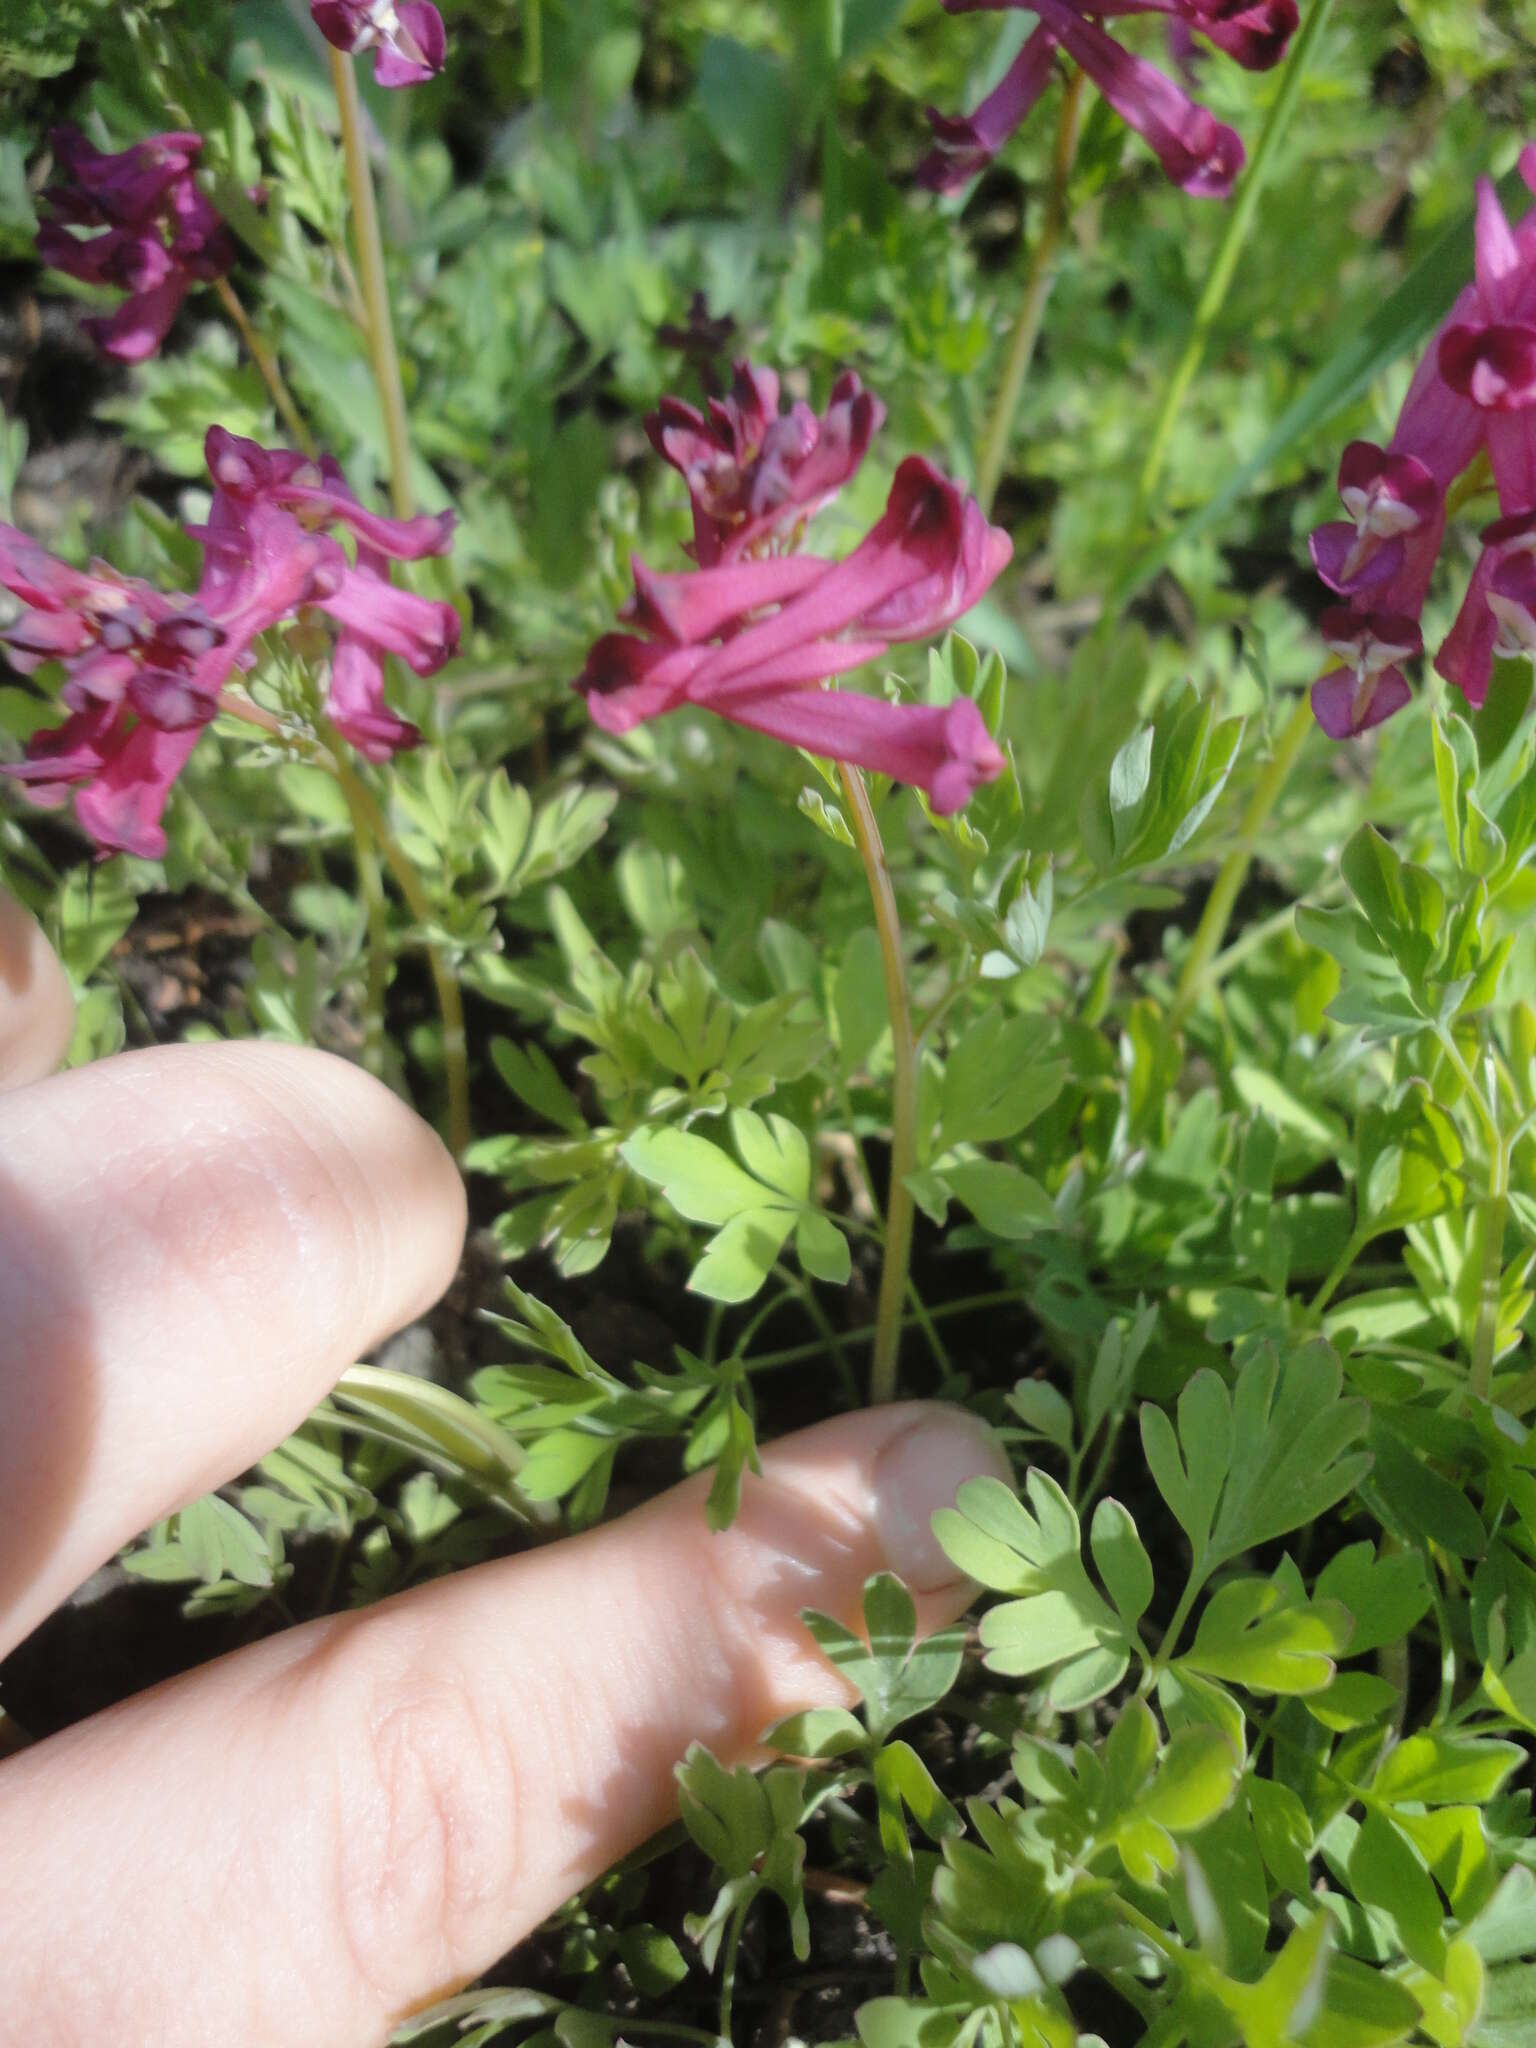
<point>1197,152</point>
<point>755,473</point>
<point>144,671</point>
<point>406,36</point>
<point>159,233</point>
<point>1474,392</point>
<point>754,639</point>
<point>375,618</point>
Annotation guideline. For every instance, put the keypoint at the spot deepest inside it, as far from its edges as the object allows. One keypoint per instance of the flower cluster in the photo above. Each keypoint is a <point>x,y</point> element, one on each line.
<point>1197,151</point>
<point>405,36</point>
<point>1473,394</point>
<point>158,234</point>
<point>752,470</point>
<point>144,670</point>
<point>752,633</point>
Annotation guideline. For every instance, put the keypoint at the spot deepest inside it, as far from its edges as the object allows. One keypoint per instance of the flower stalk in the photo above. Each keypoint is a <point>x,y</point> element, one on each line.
<point>364,807</point>
<point>370,881</point>
<point>375,286</point>
<point>267,364</point>
<point>1491,1219</point>
<point>1039,279</point>
<point>1234,237</point>
<point>1227,887</point>
<point>899,1213</point>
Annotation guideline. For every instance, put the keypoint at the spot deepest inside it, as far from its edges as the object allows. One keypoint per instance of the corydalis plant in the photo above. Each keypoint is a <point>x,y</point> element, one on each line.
<point>406,36</point>
<point>1198,152</point>
<point>145,671</point>
<point>755,631</point>
<point>154,233</point>
<point>1473,394</point>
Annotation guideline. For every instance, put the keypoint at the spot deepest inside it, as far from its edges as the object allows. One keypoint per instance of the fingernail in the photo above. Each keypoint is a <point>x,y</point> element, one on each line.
<point>920,1471</point>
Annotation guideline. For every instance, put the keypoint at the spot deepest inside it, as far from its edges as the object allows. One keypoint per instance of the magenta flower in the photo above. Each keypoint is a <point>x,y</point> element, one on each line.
<point>1474,391</point>
<point>1198,152</point>
<point>752,471</point>
<point>159,236</point>
<point>144,670</point>
<point>405,36</point>
<point>753,639</point>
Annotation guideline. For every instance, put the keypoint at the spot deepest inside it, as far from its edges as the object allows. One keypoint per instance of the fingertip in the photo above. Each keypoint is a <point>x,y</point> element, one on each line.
<point>892,1468</point>
<point>37,1010</point>
<point>339,1139</point>
<point>918,1471</point>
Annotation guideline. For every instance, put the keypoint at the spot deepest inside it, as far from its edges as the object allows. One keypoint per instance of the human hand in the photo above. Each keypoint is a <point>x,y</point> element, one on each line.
<point>305,1841</point>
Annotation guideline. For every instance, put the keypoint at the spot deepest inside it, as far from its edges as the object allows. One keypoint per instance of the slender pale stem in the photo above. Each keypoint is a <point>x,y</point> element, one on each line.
<point>1335,1279</point>
<point>266,362</point>
<point>904,1070</point>
<point>1227,887</point>
<point>1219,278</point>
<point>362,803</point>
<point>1491,1220</point>
<point>371,834</point>
<point>371,882</point>
<point>1038,280</point>
<point>833,170</point>
<point>370,260</point>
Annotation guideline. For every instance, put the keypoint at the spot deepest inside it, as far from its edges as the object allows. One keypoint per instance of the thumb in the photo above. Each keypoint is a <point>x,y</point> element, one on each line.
<point>340,1824</point>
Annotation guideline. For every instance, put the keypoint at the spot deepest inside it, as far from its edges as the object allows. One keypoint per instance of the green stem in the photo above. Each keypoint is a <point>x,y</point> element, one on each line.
<point>266,362</point>
<point>1212,928</point>
<point>833,177</point>
<point>1175,1628</point>
<point>1491,1219</point>
<point>1038,280</point>
<point>370,258</point>
<point>904,1071</point>
<point>371,882</point>
<point>1239,219</point>
<point>533,47</point>
<point>362,803</point>
<point>1334,1280</point>
<point>728,1968</point>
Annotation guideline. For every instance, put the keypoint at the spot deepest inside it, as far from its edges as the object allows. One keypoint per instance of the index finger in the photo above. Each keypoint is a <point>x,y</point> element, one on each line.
<point>37,1011</point>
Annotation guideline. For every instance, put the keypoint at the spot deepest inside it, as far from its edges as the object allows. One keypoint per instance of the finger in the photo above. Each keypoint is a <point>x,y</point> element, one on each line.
<point>37,1011</point>
<point>340,1824</point>
<point>194,1243</point>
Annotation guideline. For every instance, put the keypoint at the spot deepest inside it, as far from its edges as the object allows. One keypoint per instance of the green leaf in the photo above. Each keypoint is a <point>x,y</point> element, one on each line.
<point>1419,1499</point>
<point>1435,1769</point>
<point>859,1004</point>
<point>1386,1595</point>
<point>1195,1780</point>
<point>775,1151</point>
<point>1122,1561</point>
<point>817,1732</point>
<point>902,1779</point>
<point>1404,905</point>
<point>532,1076</point>
<point>726,1812</point>
<point>995,1083</point>
<point>1062,1619</point>
<point>1003,1199</point>
<point>1386,1874</point>
<point>894,1673</point>
<point>1243,1470</point>
<point>705,1185</point>
<point>822,1250</point>
<point>750,110</point>
<point>1252,1635</point>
